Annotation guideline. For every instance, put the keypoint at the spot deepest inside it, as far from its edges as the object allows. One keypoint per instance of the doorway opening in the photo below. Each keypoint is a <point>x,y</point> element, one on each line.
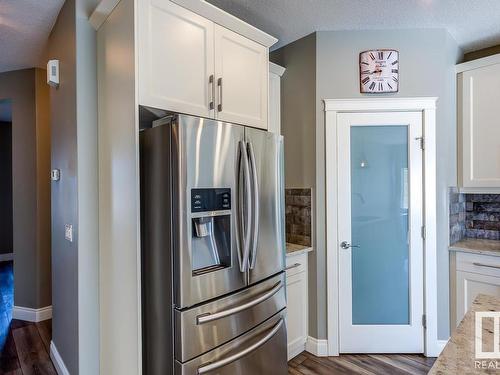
<point>6,221</point>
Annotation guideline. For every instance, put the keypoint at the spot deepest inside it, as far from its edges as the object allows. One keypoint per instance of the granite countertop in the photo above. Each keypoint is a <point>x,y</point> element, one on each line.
<point>458,356</point>
<point>294,249</point>
<point>477,246</point>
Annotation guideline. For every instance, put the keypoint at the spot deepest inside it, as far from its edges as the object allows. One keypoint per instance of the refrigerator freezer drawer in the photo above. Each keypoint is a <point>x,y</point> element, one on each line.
<point>260,351</point>
<point>200,329</point>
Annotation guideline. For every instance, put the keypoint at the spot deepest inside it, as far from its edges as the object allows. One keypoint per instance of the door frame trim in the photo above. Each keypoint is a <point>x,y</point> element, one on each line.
<point>426,105</point>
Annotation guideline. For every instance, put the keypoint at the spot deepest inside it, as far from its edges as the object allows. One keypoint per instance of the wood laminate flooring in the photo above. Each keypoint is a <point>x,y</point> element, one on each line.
<point>24,346</point>
<point>365,364</point>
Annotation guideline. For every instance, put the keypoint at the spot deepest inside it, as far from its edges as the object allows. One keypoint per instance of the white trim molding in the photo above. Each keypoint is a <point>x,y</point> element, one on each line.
<point>479,63</point>
<point>32,315</point>
<point>6,257</point>
<point>317,347</point>
<point>57,360</point>
<point>276,69</point>
<point>426,105</point>
<point>440,345</point>
<point>200,7</point>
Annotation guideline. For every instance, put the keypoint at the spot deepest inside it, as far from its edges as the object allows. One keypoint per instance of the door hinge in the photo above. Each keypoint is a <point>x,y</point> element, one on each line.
<point>423,231</point>
<point>424,321</point>
<point>422,142</point>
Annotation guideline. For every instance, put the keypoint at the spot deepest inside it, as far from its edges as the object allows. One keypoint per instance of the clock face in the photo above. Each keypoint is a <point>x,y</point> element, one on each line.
<point>379,71</point>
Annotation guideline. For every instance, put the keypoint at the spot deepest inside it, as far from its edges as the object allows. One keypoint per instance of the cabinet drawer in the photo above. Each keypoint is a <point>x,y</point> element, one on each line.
<point>476,263</point>
<point>296,264</point>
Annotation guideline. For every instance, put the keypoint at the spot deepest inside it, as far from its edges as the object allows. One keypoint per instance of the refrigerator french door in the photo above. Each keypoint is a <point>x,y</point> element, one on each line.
<point>212,233</point>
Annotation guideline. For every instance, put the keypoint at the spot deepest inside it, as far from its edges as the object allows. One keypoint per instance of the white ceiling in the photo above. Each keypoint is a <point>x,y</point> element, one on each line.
<point>24,28</point>
<point>474,24</point>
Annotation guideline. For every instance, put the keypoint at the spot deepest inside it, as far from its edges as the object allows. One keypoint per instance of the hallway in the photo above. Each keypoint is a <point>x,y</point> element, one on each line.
<point>24,346</point>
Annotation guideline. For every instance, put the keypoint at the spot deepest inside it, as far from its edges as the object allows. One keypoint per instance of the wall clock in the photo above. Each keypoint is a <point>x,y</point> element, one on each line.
<point>379,71</point>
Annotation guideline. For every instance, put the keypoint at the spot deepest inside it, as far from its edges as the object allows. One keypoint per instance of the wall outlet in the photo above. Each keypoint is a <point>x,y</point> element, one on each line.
<point>68,232</point>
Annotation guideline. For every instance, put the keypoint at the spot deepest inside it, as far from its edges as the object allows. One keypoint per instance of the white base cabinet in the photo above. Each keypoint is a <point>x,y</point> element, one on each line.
<point>475,274</point>
<point>297,304</point>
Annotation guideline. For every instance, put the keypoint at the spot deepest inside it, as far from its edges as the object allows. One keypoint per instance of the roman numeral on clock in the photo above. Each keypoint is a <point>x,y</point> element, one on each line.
<point>395,62</point>
<point>388,84</point>
<point>390,53</point>
<point>367,71</point>
<point>381,55</point>
<point>380,86</point>
<point>372,86</point>
<point>395,70</point>
<point>372,56</point>
<point>365,80</point>
<point>395,79</point>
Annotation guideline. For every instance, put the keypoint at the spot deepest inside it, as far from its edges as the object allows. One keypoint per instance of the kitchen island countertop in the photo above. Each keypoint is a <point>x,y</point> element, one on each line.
<point>458,356</point>
<point>294,249</point>
<point>477,246</point>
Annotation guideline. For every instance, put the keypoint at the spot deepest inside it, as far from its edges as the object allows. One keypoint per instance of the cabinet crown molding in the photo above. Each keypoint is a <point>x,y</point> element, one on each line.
<point>200,7</point>
<point>479,63</point>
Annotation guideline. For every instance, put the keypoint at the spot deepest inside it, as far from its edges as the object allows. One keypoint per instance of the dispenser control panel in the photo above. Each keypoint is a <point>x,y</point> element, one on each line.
<point>210,199</point>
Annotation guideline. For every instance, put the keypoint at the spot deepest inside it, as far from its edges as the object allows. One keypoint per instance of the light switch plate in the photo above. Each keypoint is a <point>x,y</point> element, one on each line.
<point>68,232</point>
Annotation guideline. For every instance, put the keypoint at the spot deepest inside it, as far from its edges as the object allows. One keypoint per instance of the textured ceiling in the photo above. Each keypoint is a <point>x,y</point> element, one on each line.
<point>474,24</point>
<point>24,28</point>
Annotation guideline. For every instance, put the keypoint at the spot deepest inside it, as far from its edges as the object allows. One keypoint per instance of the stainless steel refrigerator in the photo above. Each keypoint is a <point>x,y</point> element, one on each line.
<point>212,232</point>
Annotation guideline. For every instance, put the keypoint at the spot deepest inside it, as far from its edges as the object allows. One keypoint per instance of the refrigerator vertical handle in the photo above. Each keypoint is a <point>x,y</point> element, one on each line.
<point>255,206</point>
<point>244,208</point>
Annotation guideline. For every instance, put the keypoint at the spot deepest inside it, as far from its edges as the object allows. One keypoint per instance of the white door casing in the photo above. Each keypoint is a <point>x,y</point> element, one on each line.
<point>383,338</point>
<point>333,108</point>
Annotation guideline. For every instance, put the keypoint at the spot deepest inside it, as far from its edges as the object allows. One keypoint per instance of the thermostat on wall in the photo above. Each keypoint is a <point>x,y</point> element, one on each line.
<point>53,73</point>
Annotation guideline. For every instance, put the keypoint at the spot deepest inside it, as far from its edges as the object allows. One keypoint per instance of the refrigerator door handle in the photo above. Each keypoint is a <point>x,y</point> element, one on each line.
<point>209,317</point>
<point>223,362</point>
<point>244,209</point>
<point>255,206</point>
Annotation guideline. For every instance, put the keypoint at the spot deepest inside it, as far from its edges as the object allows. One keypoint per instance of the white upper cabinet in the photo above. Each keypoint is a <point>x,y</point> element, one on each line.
<point>176,58</point>
<point>190,64</point>
<point>479,127</point>
<point>241,70</point>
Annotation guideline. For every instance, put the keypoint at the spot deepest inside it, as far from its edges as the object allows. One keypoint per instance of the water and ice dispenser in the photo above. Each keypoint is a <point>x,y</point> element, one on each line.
<point>211,229</point>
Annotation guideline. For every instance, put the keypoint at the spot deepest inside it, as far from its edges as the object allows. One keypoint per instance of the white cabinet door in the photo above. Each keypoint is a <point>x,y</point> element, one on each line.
<point>241,71</point>
<point>480,130</point>
<point>469,285</point>
<point>176,58</point>
<point>297,304</point>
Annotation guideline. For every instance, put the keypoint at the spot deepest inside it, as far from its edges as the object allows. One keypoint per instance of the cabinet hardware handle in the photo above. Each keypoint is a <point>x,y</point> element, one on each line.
<point>219,84</point>
<point>486,265</point>
<point>211,84</point>
<point>292,266</point>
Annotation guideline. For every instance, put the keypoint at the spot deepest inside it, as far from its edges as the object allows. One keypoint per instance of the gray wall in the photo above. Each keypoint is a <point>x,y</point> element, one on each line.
<point>75,323</point>
<point>62,46</point>
<point>30,200</point>
<point>6,188</point>
<point>298,125</point>
<point>427,69</point>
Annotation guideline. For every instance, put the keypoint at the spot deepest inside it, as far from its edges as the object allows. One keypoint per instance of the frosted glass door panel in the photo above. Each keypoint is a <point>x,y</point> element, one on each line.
<point>379,225</point>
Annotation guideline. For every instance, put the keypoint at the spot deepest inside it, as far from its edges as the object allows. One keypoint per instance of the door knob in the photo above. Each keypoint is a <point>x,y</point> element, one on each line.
<point>346,245</point>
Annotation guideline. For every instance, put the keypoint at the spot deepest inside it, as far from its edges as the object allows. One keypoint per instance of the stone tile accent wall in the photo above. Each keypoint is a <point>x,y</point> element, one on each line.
<point>457,215</point>
<point>483,216</point>
<point>298,216</point>
<point>474,216</point>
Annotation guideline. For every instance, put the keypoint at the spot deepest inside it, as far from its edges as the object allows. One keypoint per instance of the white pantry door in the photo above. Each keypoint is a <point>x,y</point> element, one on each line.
<point>380,232</point>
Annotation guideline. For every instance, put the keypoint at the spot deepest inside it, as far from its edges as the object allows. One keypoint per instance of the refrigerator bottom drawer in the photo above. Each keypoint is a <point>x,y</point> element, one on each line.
<point>263,351</point>
<point>203,328</point>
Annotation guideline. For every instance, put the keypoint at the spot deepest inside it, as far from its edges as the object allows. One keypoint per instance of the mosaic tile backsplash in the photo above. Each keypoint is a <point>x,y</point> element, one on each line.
<point>474,216</point>
<point>298,216</point>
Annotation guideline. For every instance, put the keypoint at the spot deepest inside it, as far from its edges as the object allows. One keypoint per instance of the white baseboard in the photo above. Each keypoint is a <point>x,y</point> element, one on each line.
<point>6,257</point>
<point>32,315</point>
<point>319,348</point>
<point>57,360</point>
<point>441,344</point>
<point>295,348</point>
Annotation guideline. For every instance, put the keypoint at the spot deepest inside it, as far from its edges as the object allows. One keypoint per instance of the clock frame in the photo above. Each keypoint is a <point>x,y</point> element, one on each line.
<point>379,71</point>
